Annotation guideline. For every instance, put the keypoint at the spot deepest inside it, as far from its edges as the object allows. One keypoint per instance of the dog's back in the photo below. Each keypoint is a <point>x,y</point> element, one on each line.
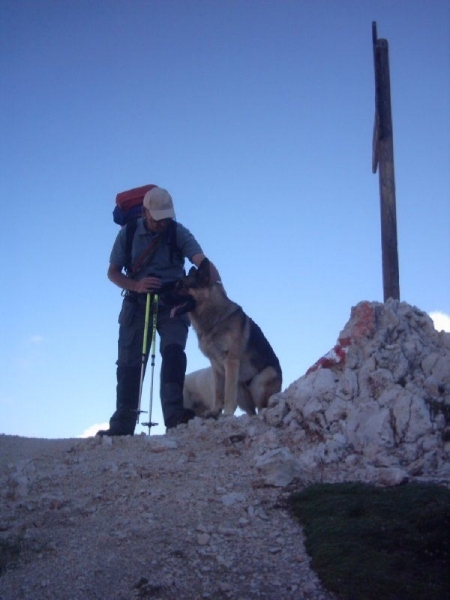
<point>261,353</point>
<point>260,373</point>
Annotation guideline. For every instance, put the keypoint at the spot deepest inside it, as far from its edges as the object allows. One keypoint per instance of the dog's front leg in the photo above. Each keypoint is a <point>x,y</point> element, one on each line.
<point>231,386</point>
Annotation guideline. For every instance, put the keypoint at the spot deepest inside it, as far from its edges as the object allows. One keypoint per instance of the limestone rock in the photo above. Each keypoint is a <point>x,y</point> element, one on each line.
<point>384,388</point>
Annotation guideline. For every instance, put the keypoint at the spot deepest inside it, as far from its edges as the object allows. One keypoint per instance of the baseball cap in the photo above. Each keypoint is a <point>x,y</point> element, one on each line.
<point>159,204</point>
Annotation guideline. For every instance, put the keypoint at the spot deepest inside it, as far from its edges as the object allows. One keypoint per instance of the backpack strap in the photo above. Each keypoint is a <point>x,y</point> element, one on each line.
<point>170,235</point>
<point>151,248</point>
<point>171,238</point>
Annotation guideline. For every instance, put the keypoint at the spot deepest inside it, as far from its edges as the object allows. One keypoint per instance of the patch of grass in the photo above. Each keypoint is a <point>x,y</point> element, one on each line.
<point>9,553</point>
<point>373,543</point>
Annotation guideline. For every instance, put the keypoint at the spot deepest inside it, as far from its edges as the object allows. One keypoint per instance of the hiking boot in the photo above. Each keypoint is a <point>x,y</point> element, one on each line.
<point>188,415</point>
<point>173,368</point>
<point>180,419</point>
<point>123,421</point>
<point>110,433</point>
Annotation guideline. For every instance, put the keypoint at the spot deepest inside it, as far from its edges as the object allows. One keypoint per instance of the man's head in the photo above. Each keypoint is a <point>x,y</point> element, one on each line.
<point>158,209</point>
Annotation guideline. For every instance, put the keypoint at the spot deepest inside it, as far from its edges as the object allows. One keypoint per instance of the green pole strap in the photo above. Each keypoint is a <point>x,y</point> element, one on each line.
<point>155,316</point>
<point>147,318</point>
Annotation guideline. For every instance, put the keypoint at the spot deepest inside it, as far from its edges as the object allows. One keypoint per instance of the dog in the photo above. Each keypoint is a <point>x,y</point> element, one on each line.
<point>246,370</point>
<point>198,391</point>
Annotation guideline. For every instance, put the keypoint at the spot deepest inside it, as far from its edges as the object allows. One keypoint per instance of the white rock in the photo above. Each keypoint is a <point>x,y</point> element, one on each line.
<point>232,498</point>
<point>277,467</point>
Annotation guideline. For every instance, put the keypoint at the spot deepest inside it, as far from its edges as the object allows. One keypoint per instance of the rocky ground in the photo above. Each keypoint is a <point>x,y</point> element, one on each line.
<point>202,512</point>
<point>181,516</point>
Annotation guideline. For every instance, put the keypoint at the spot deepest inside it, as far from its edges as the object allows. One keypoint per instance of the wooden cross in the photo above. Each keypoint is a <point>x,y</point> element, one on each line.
<point>383,159</point>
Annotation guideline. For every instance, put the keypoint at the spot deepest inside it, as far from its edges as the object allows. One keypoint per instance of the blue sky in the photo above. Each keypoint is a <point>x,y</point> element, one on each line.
<point>257,116</point>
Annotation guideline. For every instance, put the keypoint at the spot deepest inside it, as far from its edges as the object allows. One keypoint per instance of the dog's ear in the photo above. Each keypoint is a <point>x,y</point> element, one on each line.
<point>204,272</point>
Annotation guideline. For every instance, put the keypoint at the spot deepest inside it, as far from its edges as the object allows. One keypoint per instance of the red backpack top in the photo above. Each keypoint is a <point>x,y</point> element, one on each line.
<point>129,204</point>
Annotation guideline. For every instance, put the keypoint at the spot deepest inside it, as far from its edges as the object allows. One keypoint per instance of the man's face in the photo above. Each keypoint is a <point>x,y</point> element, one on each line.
<point>152,225</point>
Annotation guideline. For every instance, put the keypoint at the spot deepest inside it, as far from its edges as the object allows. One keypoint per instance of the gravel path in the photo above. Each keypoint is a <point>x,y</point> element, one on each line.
<point>179,516</point>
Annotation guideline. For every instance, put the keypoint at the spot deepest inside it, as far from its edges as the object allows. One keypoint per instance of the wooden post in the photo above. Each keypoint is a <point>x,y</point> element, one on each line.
<point>383,158</point>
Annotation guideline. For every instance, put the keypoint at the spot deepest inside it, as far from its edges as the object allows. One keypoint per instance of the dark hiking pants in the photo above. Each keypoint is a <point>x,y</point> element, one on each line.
<point>173,333</point>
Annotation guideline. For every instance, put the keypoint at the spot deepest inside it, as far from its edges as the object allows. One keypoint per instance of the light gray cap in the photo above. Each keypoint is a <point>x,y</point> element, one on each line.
<point>159,204</point>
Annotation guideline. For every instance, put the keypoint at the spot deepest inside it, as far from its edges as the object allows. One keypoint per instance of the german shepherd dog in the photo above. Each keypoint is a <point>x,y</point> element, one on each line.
<point>246,371</point>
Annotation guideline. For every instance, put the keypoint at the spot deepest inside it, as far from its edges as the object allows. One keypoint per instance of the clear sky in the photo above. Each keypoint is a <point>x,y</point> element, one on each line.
<point>257,116</point>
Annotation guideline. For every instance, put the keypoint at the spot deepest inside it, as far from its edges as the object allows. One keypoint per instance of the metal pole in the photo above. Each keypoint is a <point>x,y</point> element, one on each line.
<point>152,356</point>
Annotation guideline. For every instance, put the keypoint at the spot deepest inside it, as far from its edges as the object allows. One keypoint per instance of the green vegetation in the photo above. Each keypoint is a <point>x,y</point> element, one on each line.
<point>9,553</point>
<point>373,543</point>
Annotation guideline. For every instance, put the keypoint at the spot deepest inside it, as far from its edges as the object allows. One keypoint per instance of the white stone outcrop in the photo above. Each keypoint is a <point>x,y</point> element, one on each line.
<point>377,406</point>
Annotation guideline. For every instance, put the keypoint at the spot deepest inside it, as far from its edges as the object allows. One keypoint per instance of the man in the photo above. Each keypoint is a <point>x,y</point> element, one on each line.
<point>159,248</point>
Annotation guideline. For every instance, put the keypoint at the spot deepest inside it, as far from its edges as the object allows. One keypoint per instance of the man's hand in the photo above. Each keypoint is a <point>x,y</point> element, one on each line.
<point>147,285</point>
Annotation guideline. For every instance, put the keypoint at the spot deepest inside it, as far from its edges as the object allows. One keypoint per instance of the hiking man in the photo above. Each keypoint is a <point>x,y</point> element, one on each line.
<point>158,250</point>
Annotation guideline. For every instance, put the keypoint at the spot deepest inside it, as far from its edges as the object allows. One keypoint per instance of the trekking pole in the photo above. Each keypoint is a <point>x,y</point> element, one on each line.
<point>153,354</point>
<point>144,353</point>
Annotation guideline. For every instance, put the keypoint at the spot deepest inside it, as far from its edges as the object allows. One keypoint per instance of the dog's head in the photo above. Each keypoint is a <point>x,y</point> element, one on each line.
<point>185,292</point>
<point>191,290</point>
<point>195,279</point>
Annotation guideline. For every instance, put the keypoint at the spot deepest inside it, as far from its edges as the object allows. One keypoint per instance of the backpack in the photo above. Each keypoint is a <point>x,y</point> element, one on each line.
<point>126,213</point>
<point>129,204</point>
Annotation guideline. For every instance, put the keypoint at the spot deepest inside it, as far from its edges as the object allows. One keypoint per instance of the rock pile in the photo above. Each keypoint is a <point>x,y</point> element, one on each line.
<point>377,406</point>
